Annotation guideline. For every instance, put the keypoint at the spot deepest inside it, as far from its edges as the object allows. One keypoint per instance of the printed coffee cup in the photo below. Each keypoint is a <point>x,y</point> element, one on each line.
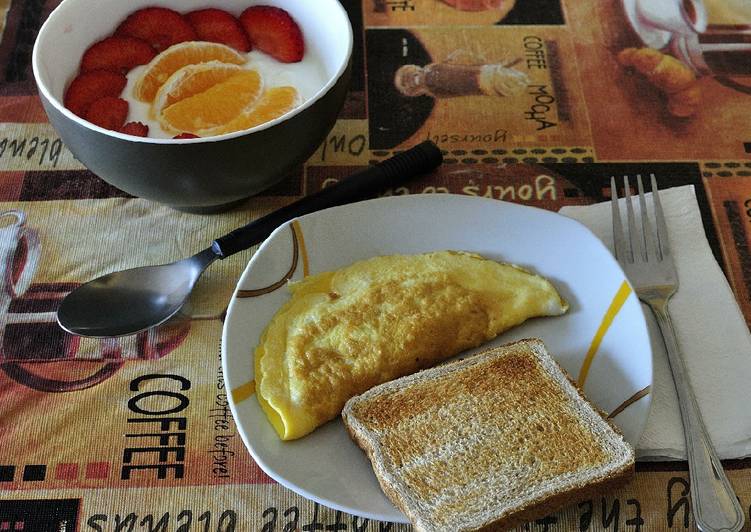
<point>680,17</point>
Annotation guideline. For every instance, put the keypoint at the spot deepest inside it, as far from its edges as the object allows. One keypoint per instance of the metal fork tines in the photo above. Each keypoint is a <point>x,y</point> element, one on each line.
<point>645,255</point>
<point>646,258</point>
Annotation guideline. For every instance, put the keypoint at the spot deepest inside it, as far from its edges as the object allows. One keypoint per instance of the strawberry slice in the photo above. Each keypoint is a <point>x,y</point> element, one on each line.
<point>159,26</point>
<point>118,54</point>
<point>216,25</point>
<point>272,30</point>
<point>88,87</point>
<point>108,112</point>
<point>186,136</point>
<point>137,129</point>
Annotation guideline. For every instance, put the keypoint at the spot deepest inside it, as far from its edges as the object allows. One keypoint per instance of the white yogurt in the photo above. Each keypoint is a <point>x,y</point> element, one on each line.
<point>307,76</point>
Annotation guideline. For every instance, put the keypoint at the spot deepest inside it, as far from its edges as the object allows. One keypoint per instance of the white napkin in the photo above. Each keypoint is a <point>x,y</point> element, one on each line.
<point>711,330</point>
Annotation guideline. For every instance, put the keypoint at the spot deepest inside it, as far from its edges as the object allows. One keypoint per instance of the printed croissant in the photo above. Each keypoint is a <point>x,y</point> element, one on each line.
<point>669,75</point>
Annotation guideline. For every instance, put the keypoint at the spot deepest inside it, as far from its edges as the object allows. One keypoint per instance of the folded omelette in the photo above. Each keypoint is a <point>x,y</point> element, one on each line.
<point>343,332</point>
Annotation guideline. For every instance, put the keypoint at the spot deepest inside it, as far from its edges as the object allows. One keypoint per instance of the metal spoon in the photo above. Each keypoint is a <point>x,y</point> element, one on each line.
<point>130,301</point>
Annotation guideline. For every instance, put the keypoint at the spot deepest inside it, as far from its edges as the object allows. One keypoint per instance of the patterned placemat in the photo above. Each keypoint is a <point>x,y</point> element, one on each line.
<point>136,433</point>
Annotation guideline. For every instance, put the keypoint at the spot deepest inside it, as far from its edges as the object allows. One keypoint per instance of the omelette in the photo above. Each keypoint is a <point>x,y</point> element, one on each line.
<point>345,331</point>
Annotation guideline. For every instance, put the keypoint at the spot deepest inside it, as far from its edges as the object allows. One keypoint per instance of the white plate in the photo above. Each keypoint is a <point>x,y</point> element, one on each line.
<point>326,466</point>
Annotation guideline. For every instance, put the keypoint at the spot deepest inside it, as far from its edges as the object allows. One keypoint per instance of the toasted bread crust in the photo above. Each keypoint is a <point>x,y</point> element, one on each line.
<point>524,515</point>
<point>560,500</point>
<point>363,433</point>
<point>392,494</point>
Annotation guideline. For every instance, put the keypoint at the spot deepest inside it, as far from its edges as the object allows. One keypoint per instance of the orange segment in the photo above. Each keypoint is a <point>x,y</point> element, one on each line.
<point>213,107</point>
<point>274,103</point>
<point>158,71</point>
<point>191,80</point>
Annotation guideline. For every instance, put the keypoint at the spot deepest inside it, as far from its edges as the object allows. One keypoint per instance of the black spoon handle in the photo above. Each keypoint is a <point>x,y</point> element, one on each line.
<point>415,161</point>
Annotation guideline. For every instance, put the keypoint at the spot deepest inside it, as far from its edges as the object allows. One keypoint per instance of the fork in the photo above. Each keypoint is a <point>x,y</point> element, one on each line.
<point>647,261</point>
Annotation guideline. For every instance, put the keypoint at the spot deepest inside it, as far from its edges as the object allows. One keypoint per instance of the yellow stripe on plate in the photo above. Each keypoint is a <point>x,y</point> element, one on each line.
<point>303,250</point>
<point>615,306</point>
<point>241,393</point>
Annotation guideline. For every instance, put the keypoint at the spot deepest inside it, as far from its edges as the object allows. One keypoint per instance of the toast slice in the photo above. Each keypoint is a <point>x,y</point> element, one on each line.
<point>487,443</point>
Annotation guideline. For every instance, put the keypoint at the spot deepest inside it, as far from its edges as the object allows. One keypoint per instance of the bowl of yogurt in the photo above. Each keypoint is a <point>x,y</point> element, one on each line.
<point>196,166</point>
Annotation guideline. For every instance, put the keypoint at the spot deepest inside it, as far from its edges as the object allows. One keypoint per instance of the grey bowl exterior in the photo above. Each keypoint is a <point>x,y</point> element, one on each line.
<point>208,175</point>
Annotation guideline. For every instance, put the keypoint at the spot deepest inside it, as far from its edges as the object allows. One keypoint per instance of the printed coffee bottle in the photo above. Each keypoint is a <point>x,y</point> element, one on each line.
<point>447,80</point>
<point>476,5</point>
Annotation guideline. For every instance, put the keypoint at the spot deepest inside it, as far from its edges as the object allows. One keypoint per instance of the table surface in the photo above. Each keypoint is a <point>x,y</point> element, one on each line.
<point>81,458</point>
